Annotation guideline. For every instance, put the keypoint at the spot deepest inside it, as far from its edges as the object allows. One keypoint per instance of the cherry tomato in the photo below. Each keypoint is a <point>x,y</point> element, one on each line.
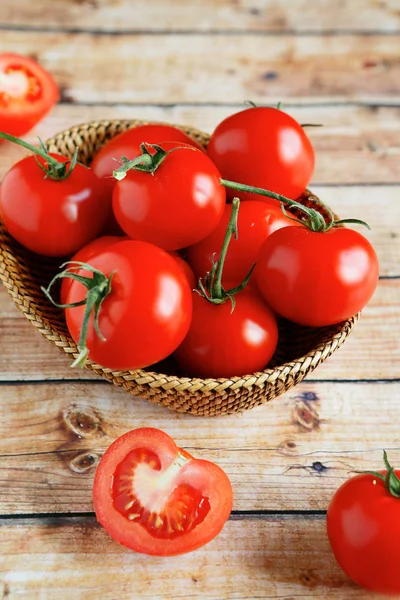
<point>363,525</point>
<point>128,144</point>
<point>263,147</point>
<point>186,268</point>
<point>53,218</point>
<point>256,221</point>
<point>177,206</point>
<point>27,93</point>
<point>155,498</point>
<point>225,343</point>
<point>316,279</point>
<point>145,316</point>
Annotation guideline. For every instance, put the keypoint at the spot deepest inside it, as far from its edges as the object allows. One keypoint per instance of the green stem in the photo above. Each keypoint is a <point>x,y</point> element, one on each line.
<point>216,290</point>
<point>390,479</point>
<point>146,162</point>
<point>34,149</point>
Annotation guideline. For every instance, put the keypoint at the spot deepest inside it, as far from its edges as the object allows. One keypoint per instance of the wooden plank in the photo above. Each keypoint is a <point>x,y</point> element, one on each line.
<point>175,68</point>
<point>204,15</point>
<point>372,351</point>
<point>276,557</point>
<point>291,454</point>
<point>357,144</point>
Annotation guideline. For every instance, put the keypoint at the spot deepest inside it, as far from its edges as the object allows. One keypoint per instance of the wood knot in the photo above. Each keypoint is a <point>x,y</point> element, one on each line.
<point>309,578</point>
<point>287,448</point>
<point>83,422</point>
<point>82,463</point>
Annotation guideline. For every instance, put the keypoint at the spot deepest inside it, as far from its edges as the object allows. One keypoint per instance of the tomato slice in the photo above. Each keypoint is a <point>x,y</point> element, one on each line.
<point>27,93</point>
<point>155,498</point>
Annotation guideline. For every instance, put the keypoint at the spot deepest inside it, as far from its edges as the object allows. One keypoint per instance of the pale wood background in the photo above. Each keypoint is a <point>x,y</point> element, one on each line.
<point>330,62</point>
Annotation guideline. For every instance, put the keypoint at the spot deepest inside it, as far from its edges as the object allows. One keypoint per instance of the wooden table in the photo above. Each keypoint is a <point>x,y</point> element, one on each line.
<point>334,63</point>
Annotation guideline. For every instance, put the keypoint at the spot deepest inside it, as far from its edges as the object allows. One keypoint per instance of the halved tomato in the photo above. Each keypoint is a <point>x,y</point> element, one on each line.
<point>155,498</point>
<point>27,93</point>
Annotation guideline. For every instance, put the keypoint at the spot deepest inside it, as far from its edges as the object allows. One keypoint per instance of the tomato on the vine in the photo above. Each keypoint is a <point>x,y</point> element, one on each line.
<point>138,305</point>
<point>27,93</point>
<point>52,217</point>
<point>155,498</point>
<point>263,147</point>
<point>257,219</point>
<point>316,278</point>
<point>128,143</point>
<point>363,526</point>
<point>178,202</point>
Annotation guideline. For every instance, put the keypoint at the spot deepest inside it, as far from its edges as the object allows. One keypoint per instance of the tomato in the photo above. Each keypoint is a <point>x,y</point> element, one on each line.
<point>155,498</point>
<point>256,221</point>
<point>145,316</point>
<point>174,207</point>
<point>263,147</point>
<point>363,525</point>
<point>27,93</point>
<point>316,279</point>
<point>225,343</point>
<point>186,268</point>
<point>53,218</point>
<point>128,144</point>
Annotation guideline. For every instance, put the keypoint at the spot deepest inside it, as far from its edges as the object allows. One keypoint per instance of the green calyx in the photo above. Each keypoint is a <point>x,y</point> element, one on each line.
<point>53,168</point>
<point>210,287</point>
<point>390,479</point>
<point>312,218</point>
<point>98,288</point>
<point>146,162</point>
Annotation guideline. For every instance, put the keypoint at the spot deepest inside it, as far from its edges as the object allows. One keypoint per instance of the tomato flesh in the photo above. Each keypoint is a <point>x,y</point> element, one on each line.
<point>184,509</point>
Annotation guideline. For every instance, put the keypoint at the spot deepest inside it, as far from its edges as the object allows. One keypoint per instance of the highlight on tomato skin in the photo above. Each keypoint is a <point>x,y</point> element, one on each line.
<point>27,93</point>
<point>155,498</point>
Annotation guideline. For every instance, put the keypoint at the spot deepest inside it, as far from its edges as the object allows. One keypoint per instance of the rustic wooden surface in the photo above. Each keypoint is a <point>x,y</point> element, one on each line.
<point>334,63</point>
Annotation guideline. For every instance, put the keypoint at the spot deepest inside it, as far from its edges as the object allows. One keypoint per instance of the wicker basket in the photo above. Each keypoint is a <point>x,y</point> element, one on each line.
<point>300,349</point>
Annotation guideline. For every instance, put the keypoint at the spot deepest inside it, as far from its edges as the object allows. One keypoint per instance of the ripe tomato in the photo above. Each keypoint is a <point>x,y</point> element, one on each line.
<point>128,144</point>
<point>145,316</point>
<point>263,147</point>
<point>53,218</point>
<point>363,525</point>
<point>186,268</point>
<point>225,343</point>
<point>256,221</point>
<point>155,498</point>
<point>27,93</point>
<point>176,206</point>
<point>316,279</point>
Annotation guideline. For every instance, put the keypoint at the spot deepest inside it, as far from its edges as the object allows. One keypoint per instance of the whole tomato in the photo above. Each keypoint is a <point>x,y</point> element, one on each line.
<point>128,144</point>
<point>174,206</point>
<point>140,305</point>
<point>256,221</point>
<point>363,526</point>
<point>316,279</point>
<point>222,342</point>
<point>263,147</point>
<point>53,217</point>
<point>27,93</point>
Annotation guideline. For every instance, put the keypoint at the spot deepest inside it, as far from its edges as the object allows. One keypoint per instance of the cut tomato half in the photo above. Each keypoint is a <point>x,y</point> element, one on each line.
<point>27,93</point>
<point>155,498</point>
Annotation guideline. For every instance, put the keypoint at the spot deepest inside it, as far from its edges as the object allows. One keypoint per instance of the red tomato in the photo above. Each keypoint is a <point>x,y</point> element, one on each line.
<point>222,343</point>
<point>53,218</point>
<point>363,524</point>
<point>27,93</point>
<point>128,144</point>
<point>263,147</point>
<point>155,498</point>
<point>177,206</point>
<point>147,313</point>
<point>186,268</point>
<point>316,279</point>
<point>256,221</point>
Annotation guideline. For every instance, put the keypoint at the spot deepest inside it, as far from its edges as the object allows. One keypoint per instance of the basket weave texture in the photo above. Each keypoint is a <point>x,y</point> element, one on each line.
<point>300,349</point>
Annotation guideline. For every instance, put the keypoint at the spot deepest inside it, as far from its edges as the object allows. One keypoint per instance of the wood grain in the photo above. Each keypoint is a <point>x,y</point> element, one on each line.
<point>175,68</point>
<point>357,144</point>
<point>204,15</point>
<point>291,454</point>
